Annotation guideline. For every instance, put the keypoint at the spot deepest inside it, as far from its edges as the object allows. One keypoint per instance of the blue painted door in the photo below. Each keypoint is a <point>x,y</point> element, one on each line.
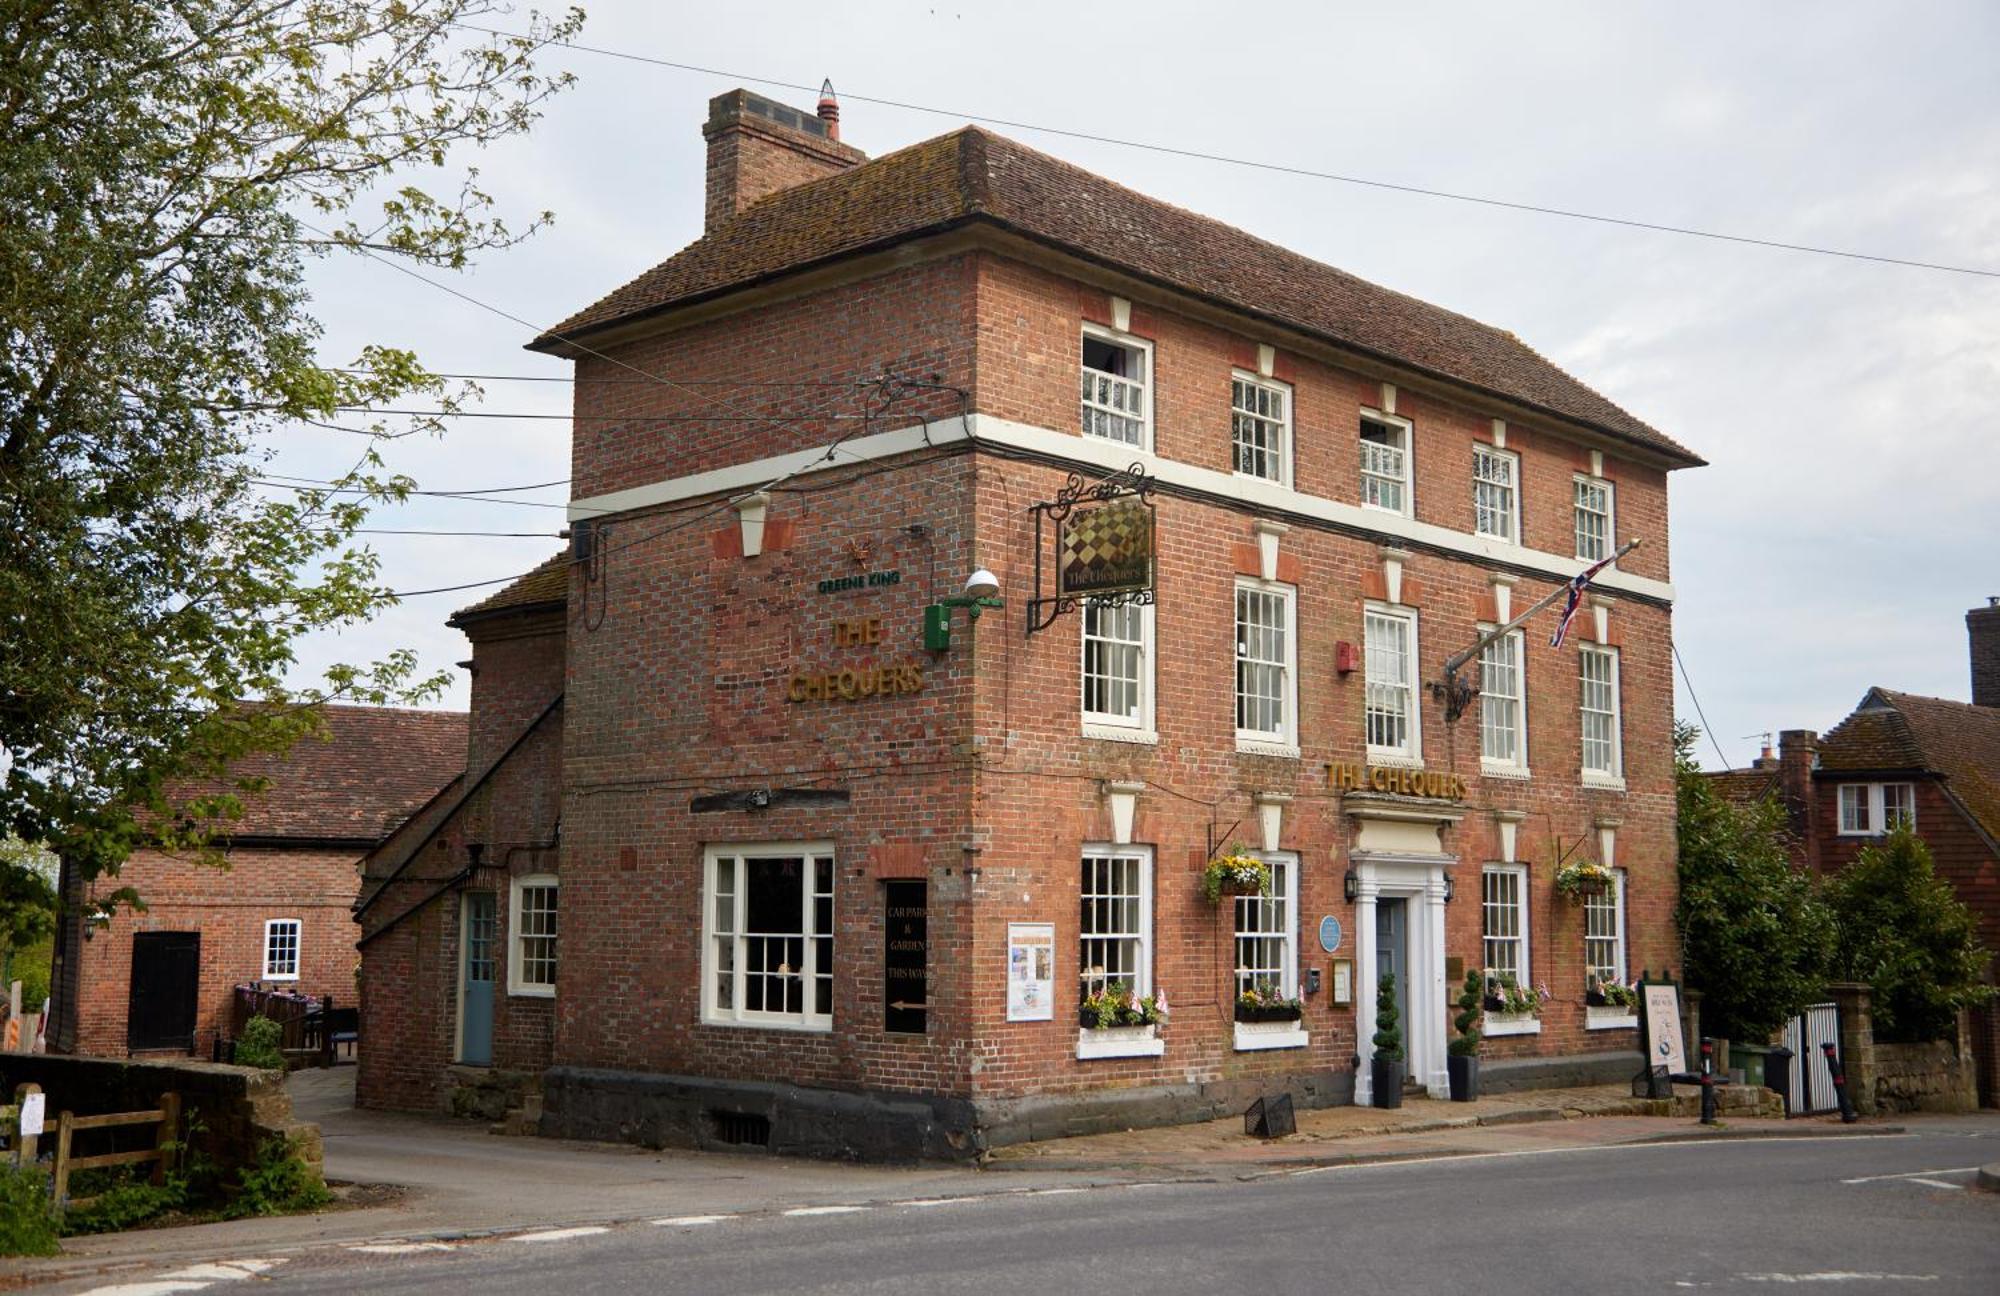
<point>1392,954</point>
<point>475,999</point>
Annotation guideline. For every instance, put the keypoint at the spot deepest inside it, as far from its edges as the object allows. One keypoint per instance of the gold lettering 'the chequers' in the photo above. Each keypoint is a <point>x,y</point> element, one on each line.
<point>1347,777</point>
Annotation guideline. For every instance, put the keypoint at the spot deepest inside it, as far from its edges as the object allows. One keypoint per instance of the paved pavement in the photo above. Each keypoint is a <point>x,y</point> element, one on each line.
<point>460,1181</point>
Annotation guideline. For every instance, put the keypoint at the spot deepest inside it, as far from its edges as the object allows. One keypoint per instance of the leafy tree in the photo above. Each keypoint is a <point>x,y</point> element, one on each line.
<point>1755,933</point>
<point>1904,931</point>
<point>167,170</point>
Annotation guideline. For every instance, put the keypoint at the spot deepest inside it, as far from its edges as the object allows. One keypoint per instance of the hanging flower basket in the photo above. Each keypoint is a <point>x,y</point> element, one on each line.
<point>1237,873</point>
<point>1582,879</point>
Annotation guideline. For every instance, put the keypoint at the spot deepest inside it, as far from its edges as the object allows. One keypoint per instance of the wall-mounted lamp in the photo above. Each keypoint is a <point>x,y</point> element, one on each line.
<point>1351,886</point>
<point>97,919</point>
<point>1449,889</point>
<point>982,591</point>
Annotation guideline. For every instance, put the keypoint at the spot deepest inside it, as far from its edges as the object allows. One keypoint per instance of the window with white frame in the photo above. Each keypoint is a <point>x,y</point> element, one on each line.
<point>281,949</point>
<point>1504,912</point>
<point>1117,926</point>
<point>1267,932</point>
<point>1604,932</point>
<point>1503,725</point>
<point>1593,518</point>
<point>1266,644</point>
<point>1389,654</point>
<point>531,963</point>
<point>1872,809</point>
<point>1261,424</point>
<point>768,956</point>
<point>1598,670</point>
<point>1496,501</point>
<point>1385,463</point>
<point>1117,387</point>
<point>1118,666</point>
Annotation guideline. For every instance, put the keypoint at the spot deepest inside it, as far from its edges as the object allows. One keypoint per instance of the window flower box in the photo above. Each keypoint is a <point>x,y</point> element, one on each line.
<point>1119,1042</point>
<point>1257,1013</point>
<point>1252,1037</point>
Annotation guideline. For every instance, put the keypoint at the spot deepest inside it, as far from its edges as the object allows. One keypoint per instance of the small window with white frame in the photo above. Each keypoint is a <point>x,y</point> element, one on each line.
<point>281,949</point>
<point>1874,809</point>
<point>767,959</point>
<point>1266,663</point>
<point>1597,668</point>
<point>1261,428</point>
<point>1496,497</point>
<point>1385,463</point>
<point>1504,915</point>
<point>1116,929</point>
<point>1604,933</point>
<point>1117,387</point>
<point>1118,667</point>
<point>531,961</point>
<point>1503,705</point>
<point>1389,665</point>
<point>1267,957</point>
<point>1596,529</point>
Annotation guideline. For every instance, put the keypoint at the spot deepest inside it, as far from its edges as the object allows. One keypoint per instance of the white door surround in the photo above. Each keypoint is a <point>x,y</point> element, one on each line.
<point>1419,880</point>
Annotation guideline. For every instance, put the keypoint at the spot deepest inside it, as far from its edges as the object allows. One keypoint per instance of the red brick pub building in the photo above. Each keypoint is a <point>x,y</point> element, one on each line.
<point>277,914</point>
<point>825,883</point>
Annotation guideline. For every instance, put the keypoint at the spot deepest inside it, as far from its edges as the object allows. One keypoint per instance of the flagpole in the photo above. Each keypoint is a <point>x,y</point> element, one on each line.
<point>1457,661</point>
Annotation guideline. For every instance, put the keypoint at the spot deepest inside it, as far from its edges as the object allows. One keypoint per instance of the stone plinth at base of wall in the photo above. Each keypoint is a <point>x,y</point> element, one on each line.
<point>792,1120</point>
<point>1511,1075</point>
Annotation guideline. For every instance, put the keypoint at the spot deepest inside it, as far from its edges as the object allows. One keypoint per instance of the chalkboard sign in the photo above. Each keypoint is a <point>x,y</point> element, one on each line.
<point>905,957</point>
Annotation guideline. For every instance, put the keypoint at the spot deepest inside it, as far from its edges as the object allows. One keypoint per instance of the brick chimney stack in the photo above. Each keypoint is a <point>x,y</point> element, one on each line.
<point>757,147</point>
<point>1798,753</point>
<point>1982,626</point>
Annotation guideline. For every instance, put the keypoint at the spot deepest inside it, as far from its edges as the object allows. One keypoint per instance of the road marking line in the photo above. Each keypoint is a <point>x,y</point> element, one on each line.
<point>401,1248</point>
<point>690,1221</point>
<point>1053,1192</point>
<point>1911,1174</point>
<point>1836,1275</point>
<point>936,1201</point>
<point>146,1289</point>
<point>561,1234</point>
<point>223,1271</point>
<point>1936,1183</point>
<point>825,1210</point>
<point>1761,1143</point>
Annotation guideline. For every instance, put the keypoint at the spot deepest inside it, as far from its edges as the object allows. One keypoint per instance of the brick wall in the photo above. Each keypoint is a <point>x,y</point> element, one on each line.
<point>1959,851</point>
<point>229,909</point>
<point>679,686</point>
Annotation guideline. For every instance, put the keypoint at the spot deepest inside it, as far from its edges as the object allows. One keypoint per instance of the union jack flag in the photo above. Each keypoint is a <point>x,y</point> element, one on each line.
<point>1575,600</point>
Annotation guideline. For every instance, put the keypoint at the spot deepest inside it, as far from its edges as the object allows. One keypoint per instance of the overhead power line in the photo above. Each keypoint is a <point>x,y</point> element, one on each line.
<point>1660,227</point>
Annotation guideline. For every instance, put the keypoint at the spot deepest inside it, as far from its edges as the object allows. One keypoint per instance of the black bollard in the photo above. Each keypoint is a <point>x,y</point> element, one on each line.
<point>1709,1081</point>
<point>1847,1113</point>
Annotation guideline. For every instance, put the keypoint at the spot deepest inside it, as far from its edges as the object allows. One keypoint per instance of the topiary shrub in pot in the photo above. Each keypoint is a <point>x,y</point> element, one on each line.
<point>1386,1070</point>
<point>1462,1064</point>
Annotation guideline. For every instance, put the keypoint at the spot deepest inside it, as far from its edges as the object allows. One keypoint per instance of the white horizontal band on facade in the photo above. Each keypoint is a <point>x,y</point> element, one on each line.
<point>1108,456</point>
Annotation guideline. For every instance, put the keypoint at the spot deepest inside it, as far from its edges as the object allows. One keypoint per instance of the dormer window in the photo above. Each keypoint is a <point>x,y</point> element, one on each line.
<point>1117,387</point>
<point>1385,463</point>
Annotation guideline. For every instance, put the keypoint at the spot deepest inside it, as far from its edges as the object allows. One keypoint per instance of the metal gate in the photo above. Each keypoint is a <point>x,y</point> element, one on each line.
<point>1812,1091</point>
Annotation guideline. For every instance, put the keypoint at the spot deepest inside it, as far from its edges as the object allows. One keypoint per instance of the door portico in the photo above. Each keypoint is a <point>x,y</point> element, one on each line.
<point>1397,855</point>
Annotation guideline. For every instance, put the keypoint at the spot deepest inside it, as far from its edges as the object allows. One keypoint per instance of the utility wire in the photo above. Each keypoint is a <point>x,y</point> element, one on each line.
<point>619,382</point>
<point>1280,168</point>
<point>1696,699</point>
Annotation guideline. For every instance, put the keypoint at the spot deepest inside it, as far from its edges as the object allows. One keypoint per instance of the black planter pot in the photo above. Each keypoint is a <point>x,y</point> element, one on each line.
<point>1463,1071</point>
<point>1386,1076</point>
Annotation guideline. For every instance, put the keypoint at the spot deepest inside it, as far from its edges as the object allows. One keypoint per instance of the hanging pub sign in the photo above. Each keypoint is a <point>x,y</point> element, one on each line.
<point>1102,546</point>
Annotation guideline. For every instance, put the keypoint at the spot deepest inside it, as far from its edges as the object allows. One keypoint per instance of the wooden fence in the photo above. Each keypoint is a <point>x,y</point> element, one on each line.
<point>167,1122</point>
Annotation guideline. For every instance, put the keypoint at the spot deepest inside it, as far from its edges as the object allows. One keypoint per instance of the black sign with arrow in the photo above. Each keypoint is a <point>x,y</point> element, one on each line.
<point>905,957</point>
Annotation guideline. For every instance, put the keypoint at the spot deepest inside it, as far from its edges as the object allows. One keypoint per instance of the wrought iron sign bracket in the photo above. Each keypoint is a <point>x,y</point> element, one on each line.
<point>1131,483</point>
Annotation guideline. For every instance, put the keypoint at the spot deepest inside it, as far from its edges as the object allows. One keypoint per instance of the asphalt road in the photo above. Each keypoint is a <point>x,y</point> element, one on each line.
<point>1892,1213</point>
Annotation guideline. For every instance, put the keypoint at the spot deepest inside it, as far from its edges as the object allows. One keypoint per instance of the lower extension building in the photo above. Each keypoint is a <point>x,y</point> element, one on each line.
<point>972,560</point>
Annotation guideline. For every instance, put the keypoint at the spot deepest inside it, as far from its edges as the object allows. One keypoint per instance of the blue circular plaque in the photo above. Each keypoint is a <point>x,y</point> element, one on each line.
<point>1329,933</point>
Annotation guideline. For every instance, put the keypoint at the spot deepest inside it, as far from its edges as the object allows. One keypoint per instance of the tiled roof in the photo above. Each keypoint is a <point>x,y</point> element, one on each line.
<point>548,583</point>
<point>973,175</point>
<point>1893,731</point>
<point>369,770</point>
<point>1744,787</point>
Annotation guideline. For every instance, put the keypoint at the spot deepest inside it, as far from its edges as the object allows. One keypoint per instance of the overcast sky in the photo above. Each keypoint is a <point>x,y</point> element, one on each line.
<point>1851,513</point>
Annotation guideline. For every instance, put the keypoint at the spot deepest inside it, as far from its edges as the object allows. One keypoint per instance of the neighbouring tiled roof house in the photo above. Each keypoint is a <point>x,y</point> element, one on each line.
<point>800,855</point>
<point>1933,761</point>
<point>277,913</point>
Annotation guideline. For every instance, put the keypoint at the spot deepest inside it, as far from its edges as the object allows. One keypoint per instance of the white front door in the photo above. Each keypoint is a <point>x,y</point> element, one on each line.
<point>1399,920</point>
